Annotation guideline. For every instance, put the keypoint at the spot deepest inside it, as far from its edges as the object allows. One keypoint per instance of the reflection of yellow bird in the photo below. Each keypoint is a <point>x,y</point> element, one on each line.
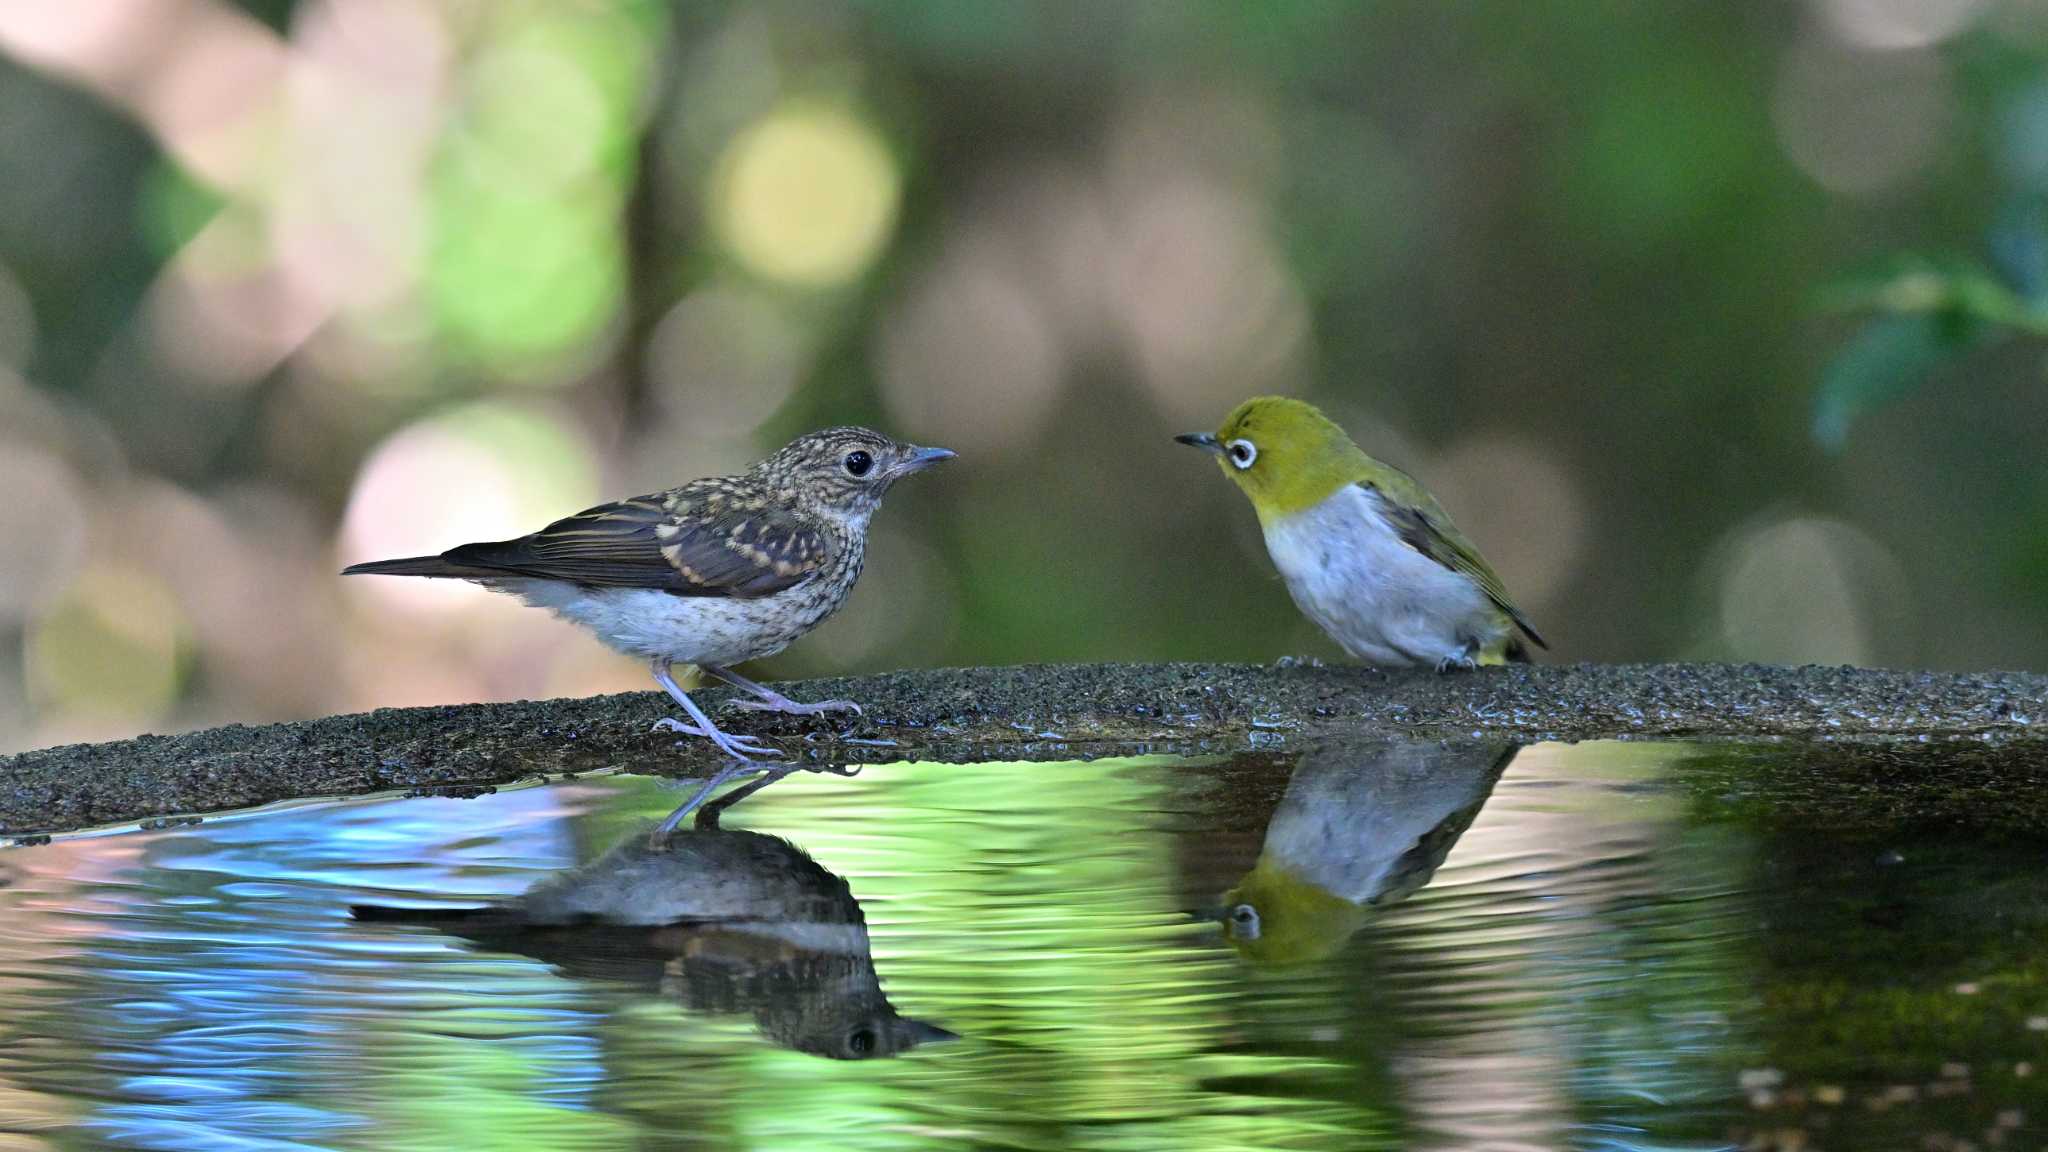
<point>722,920</point>
<point>1362,825</point>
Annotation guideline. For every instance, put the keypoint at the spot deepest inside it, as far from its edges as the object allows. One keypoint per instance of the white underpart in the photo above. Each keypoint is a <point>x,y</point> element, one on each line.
<point>1382,601</point>
<point>685,629</point>
<point>1350,823</point>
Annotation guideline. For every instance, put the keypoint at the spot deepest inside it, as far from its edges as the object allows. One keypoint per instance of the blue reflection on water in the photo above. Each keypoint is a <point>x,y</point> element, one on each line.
<point>214,1003</point>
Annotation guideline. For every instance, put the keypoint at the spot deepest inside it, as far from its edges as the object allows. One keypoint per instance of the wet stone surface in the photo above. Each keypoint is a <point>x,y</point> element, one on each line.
<point>1027,713</point>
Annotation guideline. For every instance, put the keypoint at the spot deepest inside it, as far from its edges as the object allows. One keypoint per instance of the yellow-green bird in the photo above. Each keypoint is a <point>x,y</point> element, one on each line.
<point>1362,826</point>
<point>1367,553</point>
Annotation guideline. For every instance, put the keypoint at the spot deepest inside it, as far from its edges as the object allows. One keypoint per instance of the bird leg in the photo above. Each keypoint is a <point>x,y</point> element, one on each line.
<point>1465,659</point>
<point>707,814</point>
<point>773,701</point>
<point>740,748</point>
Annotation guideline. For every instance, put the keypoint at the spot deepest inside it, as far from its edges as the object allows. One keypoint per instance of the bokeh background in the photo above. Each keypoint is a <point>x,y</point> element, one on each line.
<point>1713,324</point>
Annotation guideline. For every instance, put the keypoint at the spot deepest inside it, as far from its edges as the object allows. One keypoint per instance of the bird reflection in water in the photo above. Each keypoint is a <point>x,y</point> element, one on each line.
<point>724,921</point>
<point>1361,826</point>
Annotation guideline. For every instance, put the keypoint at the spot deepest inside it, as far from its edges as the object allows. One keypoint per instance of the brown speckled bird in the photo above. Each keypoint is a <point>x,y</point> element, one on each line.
<point>714,573</point>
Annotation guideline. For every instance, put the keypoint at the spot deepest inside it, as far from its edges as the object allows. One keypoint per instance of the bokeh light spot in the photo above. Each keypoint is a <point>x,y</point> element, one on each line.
<point>1859,122</point>
<point>519,277</point>
<point>724,359</point>
<point>969,359</point>
<point>1520,505</point>
<point>1890,24</point>
<point>807,196</point>
<point>1808,590</point>
<point>1213,311</point>
<point>537,112</point>
<point>111,647</point>
<point>43,520</point>
<point>484,471</point>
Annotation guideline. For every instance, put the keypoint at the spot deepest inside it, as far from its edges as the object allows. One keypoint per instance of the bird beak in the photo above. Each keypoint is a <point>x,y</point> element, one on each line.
<point>923,1033</point>
<point>920,459</point>
<point>1202,440</point>
<point>1214,915</point>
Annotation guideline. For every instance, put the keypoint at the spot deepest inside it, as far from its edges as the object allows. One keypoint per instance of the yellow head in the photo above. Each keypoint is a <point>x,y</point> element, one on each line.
<point>1285,454</point>
<point>1275,917</point>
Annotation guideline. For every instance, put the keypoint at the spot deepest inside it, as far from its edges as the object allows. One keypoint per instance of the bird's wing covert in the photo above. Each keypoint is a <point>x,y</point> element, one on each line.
<point>690,543</point>
<point>1424,527</point>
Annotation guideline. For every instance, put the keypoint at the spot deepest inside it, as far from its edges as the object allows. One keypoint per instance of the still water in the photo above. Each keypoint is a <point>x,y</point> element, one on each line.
<point>1369,945</point>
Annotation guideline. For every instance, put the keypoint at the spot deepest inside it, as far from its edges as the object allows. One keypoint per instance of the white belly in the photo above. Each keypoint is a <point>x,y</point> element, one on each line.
<point>1382,601</point>
<point>685,629</point>
<point>1354,816</point>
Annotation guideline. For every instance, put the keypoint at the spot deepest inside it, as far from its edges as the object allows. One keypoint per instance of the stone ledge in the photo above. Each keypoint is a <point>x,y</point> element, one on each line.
<point>1030,712</point>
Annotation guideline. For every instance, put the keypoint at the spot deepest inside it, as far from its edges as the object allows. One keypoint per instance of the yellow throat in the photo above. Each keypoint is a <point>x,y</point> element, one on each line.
<point>1298,920</point>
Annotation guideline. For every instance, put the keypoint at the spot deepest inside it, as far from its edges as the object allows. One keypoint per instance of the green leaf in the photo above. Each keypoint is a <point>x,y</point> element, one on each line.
<point>1916,284</point>
<point>1887,359</point>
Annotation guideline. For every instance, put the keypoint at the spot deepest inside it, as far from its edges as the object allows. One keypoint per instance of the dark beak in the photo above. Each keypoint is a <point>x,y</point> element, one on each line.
<point>923,1033</point>
<point>920,459</point>
<point>1202,440</point>
<point>1216,915</point>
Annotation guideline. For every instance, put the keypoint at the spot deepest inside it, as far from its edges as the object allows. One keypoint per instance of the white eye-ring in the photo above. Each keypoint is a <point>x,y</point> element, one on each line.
<point>1242,453</point>
<point>1245,919</point>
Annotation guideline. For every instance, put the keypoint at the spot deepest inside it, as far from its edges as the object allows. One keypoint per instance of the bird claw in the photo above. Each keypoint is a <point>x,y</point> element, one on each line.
<point>792,708</point>
<point>741,748</point>
<point>1458,662</point>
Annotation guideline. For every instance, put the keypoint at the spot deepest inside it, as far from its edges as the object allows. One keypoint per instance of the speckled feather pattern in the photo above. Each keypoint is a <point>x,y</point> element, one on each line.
<point>784,562</point>
<point>716,571</point>
<point>700,629</point>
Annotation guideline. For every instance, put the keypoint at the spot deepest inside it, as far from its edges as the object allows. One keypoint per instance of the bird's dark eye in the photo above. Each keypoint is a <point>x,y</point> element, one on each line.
<point>861,1043</point>
<point>858,463</point>
<point>1242,453</point>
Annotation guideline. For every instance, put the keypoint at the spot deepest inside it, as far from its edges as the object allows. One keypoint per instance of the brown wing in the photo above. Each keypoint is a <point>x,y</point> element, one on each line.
<point>678,542</point>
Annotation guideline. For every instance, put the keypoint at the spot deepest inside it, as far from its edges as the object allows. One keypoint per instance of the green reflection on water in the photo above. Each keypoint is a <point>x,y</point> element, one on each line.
<point>1033,909</point>
<point>1600,946</point>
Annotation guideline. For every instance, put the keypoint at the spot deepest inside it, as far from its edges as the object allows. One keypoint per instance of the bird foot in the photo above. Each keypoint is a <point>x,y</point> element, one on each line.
<point>740,748</point>
<point>1461,661</point>
<point>790,707</point>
